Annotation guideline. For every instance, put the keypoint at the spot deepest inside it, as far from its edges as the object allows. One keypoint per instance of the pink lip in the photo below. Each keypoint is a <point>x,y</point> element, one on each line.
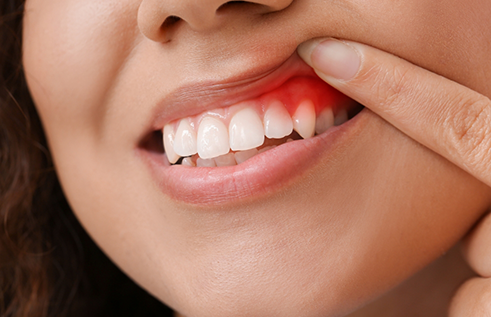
<point>264,173</point>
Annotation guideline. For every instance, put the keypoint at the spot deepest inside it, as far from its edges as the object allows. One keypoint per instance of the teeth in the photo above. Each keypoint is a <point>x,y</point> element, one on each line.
<point>277,121</point>
<point>246,130</point>
<point>304,119</point>
<point>264,149</point>
<point>341,117</point>
<point>225,160</point>
<point>185,139</point>
<point>205,162</point>
<point>324,121</point>
<point>212,138</point>
<point>169,144</point>
<point>243,156</point>
<point>187,161</point>
<point>245,133</point>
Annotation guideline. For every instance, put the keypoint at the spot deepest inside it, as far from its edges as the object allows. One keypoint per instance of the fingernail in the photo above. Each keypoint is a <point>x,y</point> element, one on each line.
<point>331,57</point>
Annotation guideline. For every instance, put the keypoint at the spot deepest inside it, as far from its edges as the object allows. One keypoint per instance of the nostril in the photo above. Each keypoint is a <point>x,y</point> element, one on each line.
<point>255,6</point>
<point>233,4</point>
<point>170,21</point>
<point>167,27</point>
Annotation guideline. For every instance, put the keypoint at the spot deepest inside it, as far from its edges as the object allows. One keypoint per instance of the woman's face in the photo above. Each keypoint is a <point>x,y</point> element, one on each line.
<point>312,227</point>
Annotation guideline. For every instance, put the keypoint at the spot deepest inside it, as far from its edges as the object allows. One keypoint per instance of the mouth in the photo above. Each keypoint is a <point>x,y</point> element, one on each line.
<point>250,146</point>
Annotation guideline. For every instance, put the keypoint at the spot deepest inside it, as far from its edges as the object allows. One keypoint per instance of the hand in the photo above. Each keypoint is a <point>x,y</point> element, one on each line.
<point>443,115</point>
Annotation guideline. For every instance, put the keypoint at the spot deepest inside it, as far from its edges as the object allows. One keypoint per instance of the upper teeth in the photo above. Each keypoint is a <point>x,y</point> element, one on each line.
<point>185,140</point>
<point>277,121</point>
<point>246,130</point>
<point>324,121</point>
<point>304,119</point>
<point>211,136</point>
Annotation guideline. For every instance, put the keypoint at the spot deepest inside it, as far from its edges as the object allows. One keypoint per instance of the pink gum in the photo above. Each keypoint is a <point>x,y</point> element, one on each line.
<point>291,94</point>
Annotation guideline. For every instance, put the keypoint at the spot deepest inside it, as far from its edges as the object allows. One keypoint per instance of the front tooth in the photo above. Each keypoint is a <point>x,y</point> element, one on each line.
<point>277,121</point>
<point>169,144</point>
<point>341,117</point>
<point>185,140</point>
<point>324,121</point>
<point>243,156</point>
<point>226,160</point>
<point>212,138</point>
<point>205,162</point>
<point>304,119</point>
<point>246,130</point>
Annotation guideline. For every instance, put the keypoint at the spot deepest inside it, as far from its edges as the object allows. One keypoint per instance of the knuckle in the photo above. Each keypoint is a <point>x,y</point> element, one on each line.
<point>391,85</point>
<point>470,129</point>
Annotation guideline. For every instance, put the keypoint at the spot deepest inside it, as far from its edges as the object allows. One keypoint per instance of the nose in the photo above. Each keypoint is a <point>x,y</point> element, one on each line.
<point>156,18</point>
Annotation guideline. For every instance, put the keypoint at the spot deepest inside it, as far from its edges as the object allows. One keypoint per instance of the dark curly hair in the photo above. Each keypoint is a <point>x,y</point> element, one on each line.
<point>48,264</point>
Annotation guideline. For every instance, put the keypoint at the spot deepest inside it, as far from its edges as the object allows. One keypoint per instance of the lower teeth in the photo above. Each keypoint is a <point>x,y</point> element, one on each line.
<point>235,158</point>
<point>229,159</point>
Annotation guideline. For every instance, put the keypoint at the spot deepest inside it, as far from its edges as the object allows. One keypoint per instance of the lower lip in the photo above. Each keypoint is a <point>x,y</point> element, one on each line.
<point>261,175</point>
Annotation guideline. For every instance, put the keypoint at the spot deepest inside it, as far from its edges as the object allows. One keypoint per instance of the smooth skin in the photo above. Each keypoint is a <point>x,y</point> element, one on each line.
<point>354,226</point>
<point>449,118</point>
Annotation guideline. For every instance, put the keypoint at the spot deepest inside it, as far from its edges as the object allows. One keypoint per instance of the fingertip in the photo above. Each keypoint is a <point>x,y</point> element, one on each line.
<point>473,298</point>
<point>477,247</point>
<point>305,49</point>
<point>335,59</point>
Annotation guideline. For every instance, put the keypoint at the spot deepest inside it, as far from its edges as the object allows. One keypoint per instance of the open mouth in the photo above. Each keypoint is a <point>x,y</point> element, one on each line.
<point>301,108</point>
<point>256,145</point>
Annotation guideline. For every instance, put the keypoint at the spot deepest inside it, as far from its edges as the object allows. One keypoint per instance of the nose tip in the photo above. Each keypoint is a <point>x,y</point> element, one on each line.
<point>157,18</point>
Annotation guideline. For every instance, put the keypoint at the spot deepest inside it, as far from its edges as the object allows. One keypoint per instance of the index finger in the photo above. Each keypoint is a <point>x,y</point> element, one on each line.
<point>443,115</point>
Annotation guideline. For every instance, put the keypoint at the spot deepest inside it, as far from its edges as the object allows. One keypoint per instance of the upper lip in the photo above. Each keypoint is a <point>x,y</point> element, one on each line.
<point>198,97</point>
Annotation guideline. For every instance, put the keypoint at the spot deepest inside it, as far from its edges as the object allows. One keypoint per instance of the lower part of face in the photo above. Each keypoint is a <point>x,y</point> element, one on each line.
<point>365,216</point>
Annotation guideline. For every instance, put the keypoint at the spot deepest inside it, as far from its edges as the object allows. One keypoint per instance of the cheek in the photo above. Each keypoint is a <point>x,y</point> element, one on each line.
<point>72,53</point>
<point>448,38</point>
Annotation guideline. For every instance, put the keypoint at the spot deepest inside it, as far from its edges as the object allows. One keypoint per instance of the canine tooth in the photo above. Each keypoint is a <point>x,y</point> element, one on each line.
<point>277,121</point>
<point>187,161</point>
<point>324,121</point>
<point>243,156</point>
<point>246,130</point>
<point>304,119</point>
<point>212,138</point>
<point>226,160</point>
<point>205,162</point>
<point>168,136</point>
<point>185,139</point>
<point>341,117</point>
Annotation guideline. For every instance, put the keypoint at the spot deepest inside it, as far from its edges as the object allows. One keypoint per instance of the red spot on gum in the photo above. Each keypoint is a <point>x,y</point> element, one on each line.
<point>298,89</point>
<point>291,93</point>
